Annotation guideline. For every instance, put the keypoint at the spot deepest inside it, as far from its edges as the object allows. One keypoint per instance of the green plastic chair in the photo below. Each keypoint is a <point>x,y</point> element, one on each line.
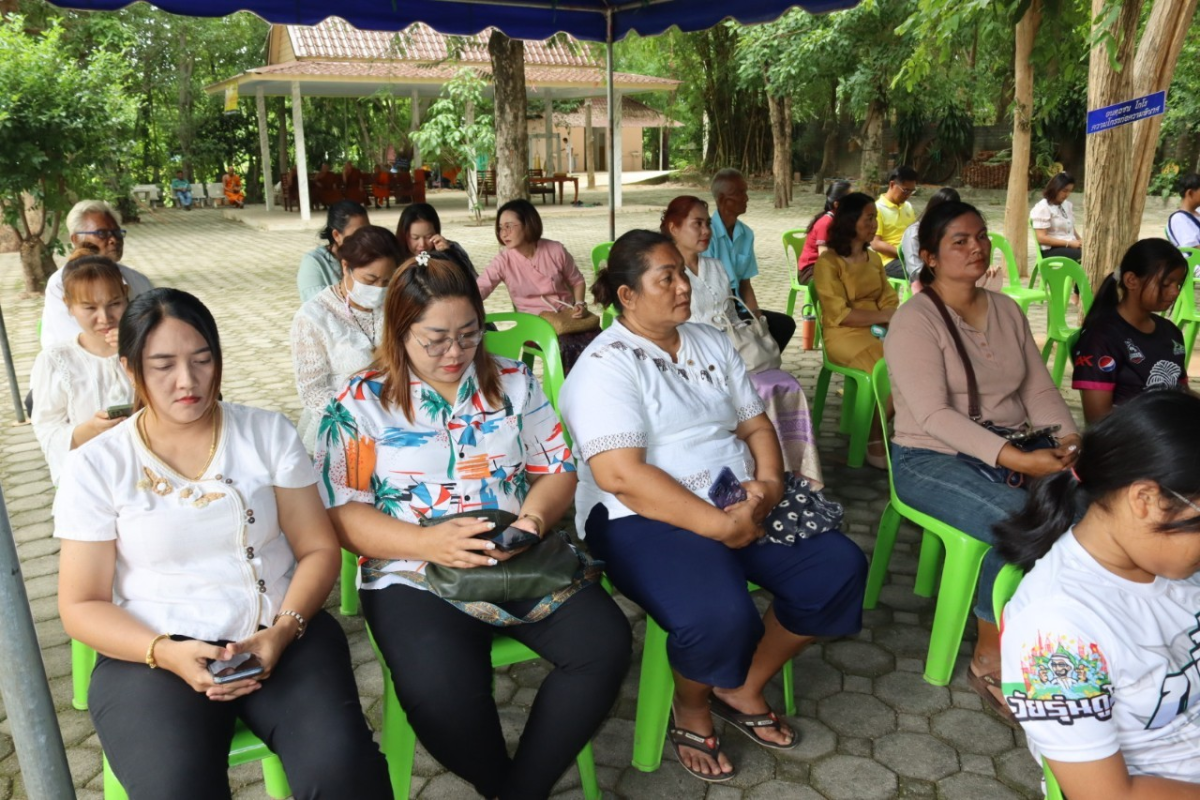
<point>1007,581</point>
<point>1023,295</point>
<point>1060,274</point>
<point>509,342</point>
<point>960,573</point>
<point>656,689</point>
<point>398,741</point>
<point>599,256</point>
<point>1183,313</point>
<point>793,245</point>
<point>245,747</point>
<point>856,400</point>
<point>902,288</point>
<point>1037,258</point>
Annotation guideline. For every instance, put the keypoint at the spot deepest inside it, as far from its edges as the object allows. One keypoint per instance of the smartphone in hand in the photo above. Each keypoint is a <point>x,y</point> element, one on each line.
<point>114,412</point>
<point>726,489</point>
<point>511,538</point>
<point>240,667</point>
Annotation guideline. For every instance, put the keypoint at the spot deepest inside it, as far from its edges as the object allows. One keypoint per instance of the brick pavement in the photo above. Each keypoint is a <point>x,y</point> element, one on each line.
<point>870,726</point>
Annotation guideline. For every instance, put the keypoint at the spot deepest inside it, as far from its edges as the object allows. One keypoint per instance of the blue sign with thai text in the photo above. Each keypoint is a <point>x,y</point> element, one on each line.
<point>1102,119</point>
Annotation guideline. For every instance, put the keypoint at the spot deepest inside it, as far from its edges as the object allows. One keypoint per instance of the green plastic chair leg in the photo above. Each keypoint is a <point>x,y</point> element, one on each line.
<point>113,790</point>
<point>1061,354</point>
<point>275,778</point>
<point>1190,328</point>
<point>83,661</point>
<point>789,689</point>
<point>349,590</point>
<point>397,740</point>
<point>656,687</point>
<point>1046,348</point>
<point>849,392</point>
<point>959,577</point>
<point>928,565</point>
<point>860,420</point>
<point>885,541</point>
<point>586,763</point>
<point>818,406</point>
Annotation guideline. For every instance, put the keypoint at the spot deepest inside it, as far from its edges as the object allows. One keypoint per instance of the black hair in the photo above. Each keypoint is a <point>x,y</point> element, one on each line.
<point>1148,438</point>
<point>1189,183</point>
<point>1059,182</point>
<point>933,226</point>
<point>946,194</point>
<point>843,229</point>
<point>367,245</point>
<point>145,313</point>
<point>417,212</point>
<point>338,217</point>
<point>1149,259</point>
<point>627,262</point>
<point>531,220</point>
<point>837,190</point>
<point>902,174</point>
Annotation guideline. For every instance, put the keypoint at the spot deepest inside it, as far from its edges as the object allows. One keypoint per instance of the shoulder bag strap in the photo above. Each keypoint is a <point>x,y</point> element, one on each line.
<point>973,409</point>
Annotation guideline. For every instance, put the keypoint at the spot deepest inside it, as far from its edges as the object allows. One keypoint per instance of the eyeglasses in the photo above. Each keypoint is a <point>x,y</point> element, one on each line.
<point>467,341</point>
<point>510,226</point>
<point>1183,499</point>
<point>104,235</point>
<point>907,191</point>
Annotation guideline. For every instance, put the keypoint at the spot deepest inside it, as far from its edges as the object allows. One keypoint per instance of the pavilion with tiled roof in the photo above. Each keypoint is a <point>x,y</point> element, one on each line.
<point>335,59</point>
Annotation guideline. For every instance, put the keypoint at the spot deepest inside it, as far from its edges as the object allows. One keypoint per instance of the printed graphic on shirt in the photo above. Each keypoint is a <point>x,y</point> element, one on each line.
<point>1163,375</point>
<point>1135,355</point>
<point>1180,690</point>
<point>1106,363</point>
<point>1178,349</point>
<point>1063,679</point>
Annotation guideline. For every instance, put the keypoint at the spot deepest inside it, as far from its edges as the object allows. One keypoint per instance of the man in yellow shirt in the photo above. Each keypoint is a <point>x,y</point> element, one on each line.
<point>895,214</point>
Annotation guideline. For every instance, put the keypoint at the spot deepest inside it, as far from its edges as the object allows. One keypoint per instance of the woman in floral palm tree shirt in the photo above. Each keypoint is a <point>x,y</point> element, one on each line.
<point>437,429</point>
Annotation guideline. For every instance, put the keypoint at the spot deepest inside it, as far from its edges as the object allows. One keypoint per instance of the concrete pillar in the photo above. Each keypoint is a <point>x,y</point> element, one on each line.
<point>589,145</point>
<point>616,149</point>
<point>301,157</point>
<point>265,144</point>
<point>550,139</point>
<point>416,125</point>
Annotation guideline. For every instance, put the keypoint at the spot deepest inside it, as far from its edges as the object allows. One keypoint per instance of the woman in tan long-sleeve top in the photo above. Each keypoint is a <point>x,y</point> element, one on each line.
<point>944,463</point>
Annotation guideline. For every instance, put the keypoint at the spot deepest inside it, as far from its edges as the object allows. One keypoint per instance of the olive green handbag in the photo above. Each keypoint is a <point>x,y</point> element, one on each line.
<point>546,567</point>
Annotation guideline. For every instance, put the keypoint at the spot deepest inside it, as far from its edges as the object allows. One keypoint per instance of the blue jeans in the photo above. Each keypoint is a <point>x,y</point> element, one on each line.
<point>949,489</point>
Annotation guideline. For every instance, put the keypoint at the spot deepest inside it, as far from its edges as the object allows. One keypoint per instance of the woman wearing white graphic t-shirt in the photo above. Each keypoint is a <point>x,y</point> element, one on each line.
<point>1100,642</point>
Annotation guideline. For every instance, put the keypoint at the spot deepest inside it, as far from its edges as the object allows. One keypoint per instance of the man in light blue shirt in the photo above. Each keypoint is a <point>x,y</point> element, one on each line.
<point>733,245</point>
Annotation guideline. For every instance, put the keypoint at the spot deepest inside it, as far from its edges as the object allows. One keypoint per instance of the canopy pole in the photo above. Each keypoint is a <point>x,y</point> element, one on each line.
<point>301,157</point>
<point>550,148</point>
<point>13,387</point>
<point>612,138</point>
<point>34,726</point>
<point>265,144</point>
<point>589,145</point>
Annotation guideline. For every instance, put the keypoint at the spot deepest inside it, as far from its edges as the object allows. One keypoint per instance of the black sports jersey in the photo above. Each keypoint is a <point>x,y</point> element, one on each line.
<point>1113,356</point>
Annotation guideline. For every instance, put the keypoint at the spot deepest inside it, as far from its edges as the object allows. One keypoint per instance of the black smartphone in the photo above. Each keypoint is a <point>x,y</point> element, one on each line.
<point>241,666</point>
<point>726,489</point>
<point>511,538</point>
<point>119,411</point>
<point>1020,437</point>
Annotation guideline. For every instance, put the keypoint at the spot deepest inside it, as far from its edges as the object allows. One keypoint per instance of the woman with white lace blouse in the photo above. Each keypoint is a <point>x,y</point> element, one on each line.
<point>334,335</point>
<point>77,381</point>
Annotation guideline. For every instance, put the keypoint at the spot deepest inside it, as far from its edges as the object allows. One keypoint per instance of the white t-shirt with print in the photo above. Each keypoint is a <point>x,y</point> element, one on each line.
<point>1057,220</point>
<point>625,391</point>
<point>1094,663</point>
<point>201,558</point>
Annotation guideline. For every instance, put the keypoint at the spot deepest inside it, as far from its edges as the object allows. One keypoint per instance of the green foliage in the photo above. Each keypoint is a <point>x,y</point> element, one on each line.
<point>65,123</point>
<point>447,131</point>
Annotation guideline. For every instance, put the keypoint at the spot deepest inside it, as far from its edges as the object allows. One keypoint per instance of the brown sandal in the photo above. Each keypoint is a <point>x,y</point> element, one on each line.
<point>708,745</point>
<point>983,685</point>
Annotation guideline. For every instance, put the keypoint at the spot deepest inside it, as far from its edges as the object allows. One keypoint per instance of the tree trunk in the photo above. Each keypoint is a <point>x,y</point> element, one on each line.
<point>512,134</point>
<point>281,140</point>
<point>1124,155</point>
<point>830,150</point>
<point>871,171</point>
<point>187,127</point>
<point>1016,204</point>
<point>37,264</point>
<point>781,143</point>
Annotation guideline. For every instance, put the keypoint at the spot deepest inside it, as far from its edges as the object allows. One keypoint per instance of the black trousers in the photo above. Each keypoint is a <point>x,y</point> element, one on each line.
<point>781,327</point>
<point>163,739</point>
<point>895,269</point>
<point>1073,253</point>
<point>440,660</point>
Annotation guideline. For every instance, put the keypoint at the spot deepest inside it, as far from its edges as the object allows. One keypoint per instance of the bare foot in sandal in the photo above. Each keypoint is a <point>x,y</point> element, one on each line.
<point>983,673</point>
<point>775,733</point>
<point>697,757</point>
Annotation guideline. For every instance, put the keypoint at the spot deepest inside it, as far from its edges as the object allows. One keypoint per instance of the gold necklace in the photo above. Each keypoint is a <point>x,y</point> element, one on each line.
<point>212,448</point>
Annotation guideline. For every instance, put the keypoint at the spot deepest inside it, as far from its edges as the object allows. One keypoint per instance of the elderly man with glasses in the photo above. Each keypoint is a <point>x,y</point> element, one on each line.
<point>895,214</point>
<point>97,223</point>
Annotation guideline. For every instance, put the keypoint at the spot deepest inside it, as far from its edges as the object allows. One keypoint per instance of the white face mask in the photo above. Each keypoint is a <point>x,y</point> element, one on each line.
<point>366,296</point>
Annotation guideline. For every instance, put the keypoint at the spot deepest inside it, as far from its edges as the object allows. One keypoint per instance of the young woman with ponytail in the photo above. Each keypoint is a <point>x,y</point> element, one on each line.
<point>1126,348</point>
<point>1100,642</point>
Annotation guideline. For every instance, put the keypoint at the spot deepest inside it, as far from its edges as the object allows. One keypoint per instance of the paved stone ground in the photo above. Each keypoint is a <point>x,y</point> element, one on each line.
<point>871,727</point>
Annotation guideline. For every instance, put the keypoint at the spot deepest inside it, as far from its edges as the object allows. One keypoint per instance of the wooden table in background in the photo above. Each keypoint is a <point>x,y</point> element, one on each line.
<point>561,180</point>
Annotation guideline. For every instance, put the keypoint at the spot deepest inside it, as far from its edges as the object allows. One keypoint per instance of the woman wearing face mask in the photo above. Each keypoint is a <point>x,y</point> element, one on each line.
<point>77,381</point>
<point>420,231</point>
<point>323,267</point>
<point>335,334</point>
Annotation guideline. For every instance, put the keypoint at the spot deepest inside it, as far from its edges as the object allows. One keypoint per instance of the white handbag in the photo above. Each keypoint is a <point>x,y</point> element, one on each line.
<point>750,337</point>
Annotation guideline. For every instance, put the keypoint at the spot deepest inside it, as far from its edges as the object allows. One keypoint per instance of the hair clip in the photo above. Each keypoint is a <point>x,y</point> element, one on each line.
<point>1075,475</point>
<point>423,258</point>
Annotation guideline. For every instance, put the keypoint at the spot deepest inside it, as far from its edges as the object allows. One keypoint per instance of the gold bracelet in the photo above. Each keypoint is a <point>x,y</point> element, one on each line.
<point>303,623</point>
<point>538,522</point>
<point>150,662</point>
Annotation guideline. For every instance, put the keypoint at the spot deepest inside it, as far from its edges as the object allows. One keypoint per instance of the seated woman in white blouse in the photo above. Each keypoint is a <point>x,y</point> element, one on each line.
<point>658,407</point>
<point>412,451</point>
<point>194,533</point>
<point>76,382</point>
<point>334,335</point>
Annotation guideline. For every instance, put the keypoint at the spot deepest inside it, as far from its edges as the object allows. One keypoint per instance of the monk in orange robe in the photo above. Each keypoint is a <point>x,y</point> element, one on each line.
<point>233,189</point>
<point>329,186</point>
<point>352,179</point>
<point>380,189</point>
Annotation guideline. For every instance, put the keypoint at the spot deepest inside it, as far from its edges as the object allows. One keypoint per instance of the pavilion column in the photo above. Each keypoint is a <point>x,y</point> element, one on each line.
<point>616,149</point>
<point>301,157</point>
<point>416,126</point>
<point>589,145</point>
<point>265,144</point>
<point>550,148</point>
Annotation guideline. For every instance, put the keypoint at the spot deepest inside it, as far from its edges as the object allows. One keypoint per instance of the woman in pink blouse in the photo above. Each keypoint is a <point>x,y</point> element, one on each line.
<point>539,273</point>
<point>943,461</point>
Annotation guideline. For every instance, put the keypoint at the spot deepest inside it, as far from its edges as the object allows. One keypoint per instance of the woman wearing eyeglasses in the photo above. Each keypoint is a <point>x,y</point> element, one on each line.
<point>436,434</point>
<point>540,274</point>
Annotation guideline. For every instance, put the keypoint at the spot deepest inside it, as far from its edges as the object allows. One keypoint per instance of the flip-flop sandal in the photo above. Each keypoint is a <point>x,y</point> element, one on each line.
<point>982,684</point>
<point>749,723</point>
<point>710,746</point>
